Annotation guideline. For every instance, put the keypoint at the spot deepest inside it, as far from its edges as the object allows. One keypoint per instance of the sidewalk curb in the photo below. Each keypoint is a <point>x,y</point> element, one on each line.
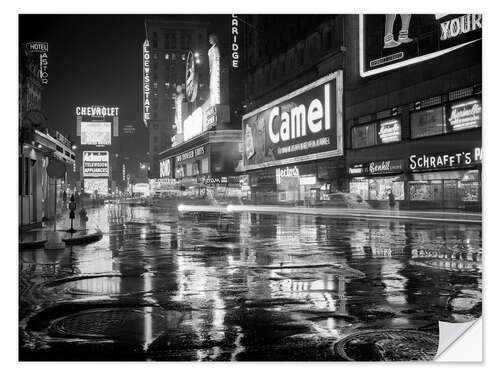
<point>88,238</point>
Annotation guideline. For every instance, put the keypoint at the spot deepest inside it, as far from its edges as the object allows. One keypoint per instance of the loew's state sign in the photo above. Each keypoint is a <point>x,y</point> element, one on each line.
<point>303,125</point>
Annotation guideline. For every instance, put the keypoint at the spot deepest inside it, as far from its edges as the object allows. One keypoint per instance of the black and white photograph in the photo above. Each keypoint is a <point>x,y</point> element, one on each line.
<point>248,187</point>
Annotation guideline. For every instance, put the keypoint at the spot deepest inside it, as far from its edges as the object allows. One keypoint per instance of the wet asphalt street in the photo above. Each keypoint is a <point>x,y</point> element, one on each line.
<point>164,285</point>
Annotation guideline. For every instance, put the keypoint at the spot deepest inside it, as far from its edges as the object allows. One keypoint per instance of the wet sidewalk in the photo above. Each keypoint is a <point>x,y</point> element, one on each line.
<point>38,237</point>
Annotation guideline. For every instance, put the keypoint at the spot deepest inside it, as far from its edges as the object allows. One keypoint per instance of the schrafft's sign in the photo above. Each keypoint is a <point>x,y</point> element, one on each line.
<point>146,87</point>
<point>43,49</point>
<point>97,111</point>
<point>95,164</point>
<point>303,125</point>
<point>391,41</point>
<point>446,160</point>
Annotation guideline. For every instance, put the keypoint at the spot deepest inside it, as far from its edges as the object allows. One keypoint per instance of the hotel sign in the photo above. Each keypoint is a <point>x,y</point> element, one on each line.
<point>301,126</point>
<point>392,41</point>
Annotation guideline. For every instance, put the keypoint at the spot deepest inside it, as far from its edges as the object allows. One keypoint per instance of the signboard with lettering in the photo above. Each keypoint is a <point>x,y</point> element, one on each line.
<point>377,167</point>
<point>93,185</point>
<point>392,41</point>
<point>303,125</point>
<point>42,48</point>
<point>146,85</point>
<point>464,114</point>
<point>95,164</point>
<point>191,77</point>
<point>447,160</point>
<point>196,152</point>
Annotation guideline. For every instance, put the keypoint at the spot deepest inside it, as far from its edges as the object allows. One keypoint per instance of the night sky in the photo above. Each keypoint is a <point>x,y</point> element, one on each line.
<point>95,59</point>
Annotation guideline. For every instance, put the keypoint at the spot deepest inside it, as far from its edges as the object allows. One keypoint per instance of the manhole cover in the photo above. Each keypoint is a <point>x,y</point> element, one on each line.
<point>388,345</point>
<point>112,323</point>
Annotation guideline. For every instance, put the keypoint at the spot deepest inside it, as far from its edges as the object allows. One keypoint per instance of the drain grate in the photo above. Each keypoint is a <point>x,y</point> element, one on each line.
<point>388,345</point>
<point>114,323</point>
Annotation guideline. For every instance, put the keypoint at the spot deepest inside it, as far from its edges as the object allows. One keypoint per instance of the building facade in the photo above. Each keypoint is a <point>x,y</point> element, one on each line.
<point>409,103</point>
<point>293,126</point>
<point>39,147</point>
<point>413,110</point>
<point>206,147</point>
<point>165,52</point>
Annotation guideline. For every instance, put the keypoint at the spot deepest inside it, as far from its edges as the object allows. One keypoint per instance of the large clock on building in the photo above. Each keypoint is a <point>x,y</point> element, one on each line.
<point>191,77</point>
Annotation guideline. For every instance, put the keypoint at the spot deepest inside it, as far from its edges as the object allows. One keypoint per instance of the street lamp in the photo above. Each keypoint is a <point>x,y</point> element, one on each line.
<point>73,147</point>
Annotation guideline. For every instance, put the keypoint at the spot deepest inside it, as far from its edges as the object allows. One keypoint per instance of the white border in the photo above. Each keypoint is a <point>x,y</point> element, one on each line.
<point>299,159</point>
<point>396,65</point>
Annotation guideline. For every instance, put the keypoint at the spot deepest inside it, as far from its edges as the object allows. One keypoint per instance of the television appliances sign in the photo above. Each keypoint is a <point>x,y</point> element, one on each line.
<point>301,126</point>
<point>95,164</point>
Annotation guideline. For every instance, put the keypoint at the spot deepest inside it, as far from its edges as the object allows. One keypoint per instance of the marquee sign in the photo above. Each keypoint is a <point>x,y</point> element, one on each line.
<point>392,41</point>
<point>301,126</point>
<point>146,86</point>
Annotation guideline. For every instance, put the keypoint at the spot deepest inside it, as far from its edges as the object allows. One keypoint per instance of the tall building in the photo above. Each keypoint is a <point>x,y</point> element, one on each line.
<point>166,48</point>
<point>293,121</point>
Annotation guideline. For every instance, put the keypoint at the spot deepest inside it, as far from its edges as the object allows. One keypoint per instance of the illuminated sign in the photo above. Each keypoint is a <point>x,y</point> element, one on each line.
<point>146,87</point>
<point>191,77</point>
<point>165,168</point>
<point>95,133</point>
<point>234,45</point>
<point>93,185</point>
<point>214,68</point>
<point>43,49</point>
<point>128,129</point>
<point>446,160</point>
<point>179,115</point>
<point>392,41</point>
<point>200,151</point>
<point>95,164</point>
<point>390,130</point>
<point>303,125</point>
<point>193,124</point>
<point>377,167</point>
<point>211,116</point>
<point>287,172</point>
<point>465,114</point>
<point>97,111</point>
<point>460,25</point>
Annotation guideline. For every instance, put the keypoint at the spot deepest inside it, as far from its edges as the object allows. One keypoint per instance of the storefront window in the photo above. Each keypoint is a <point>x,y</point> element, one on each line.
<point>427,122</point>
<point>360,188</point>
<point>364,136</point>
<point>378,189</point>
<point>426,191</point>
<point>377,133</point>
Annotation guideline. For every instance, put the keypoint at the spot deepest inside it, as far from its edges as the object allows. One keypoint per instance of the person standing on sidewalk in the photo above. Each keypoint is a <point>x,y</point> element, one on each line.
<point>392,200</point>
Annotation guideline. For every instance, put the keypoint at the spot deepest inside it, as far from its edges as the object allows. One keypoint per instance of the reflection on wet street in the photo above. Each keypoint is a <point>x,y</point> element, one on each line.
<point>167,286</point>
